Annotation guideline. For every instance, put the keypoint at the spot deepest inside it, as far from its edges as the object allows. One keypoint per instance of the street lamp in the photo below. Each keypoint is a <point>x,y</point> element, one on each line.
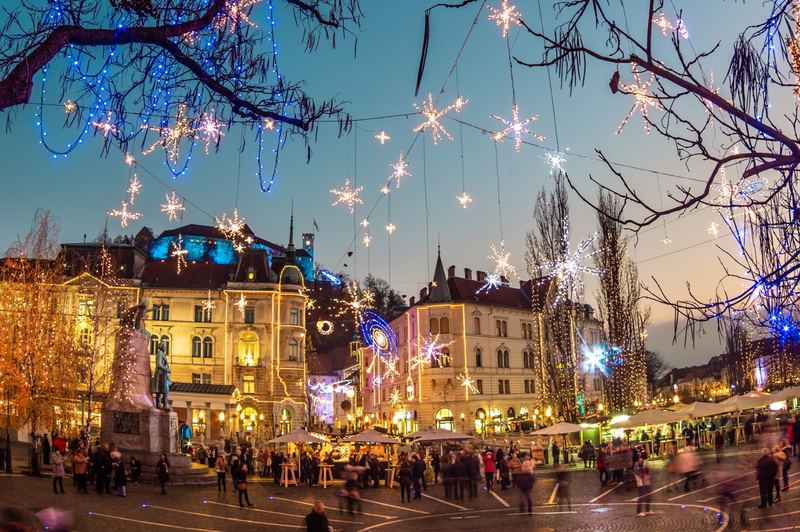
<point>676,399</point>
<point>600,407</point>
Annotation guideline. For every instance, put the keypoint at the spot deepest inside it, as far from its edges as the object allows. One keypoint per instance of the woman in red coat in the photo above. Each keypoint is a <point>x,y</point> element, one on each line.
<point>488,469</point>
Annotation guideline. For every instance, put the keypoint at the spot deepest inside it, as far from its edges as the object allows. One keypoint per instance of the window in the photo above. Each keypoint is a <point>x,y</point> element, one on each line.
<point>497,329</point>
<point>500,387</point>
<point>85,336</point>
<point>294,350</point>
<point>527,390</point>
<point>202,315</point>
<point>196,378</point>
<point>208,347</point>
<point>504,328</point>
<point>478,357</point>
<point>510,413</point>
<point>444,360</point>
<point>597,386</point>
<point>294,316</point>
<point>476,325</point>
<point>165,339</point>
<point>524,412</point>
<point>286,421</point>
<point>197,347</point>
<point>508,388</point>
<point>502,359</point>
<point>444,419</point>
<point>505,360</point>
<point>527,331</point>
<point>249,314</point>
<point>248,350</point>
<point>153,344</point>
<point>479,386</point>
<point>445,325</point>
<point>530,387</point>
<point>206,378</point>
<point>161,312</point>
<point>434,326</point>
<point>249,384</point>
<point>525,359</point>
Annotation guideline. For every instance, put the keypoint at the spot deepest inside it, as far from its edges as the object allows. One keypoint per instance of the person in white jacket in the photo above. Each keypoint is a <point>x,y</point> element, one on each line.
<point>58,470</point>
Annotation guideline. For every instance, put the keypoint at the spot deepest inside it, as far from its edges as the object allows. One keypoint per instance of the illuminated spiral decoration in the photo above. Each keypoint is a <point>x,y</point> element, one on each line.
<point>325,327</point>
<point>379,336</point>
<point>377,380</point>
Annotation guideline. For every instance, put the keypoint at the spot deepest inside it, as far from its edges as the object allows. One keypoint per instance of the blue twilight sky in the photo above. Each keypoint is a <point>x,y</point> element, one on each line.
<point>379,81</point>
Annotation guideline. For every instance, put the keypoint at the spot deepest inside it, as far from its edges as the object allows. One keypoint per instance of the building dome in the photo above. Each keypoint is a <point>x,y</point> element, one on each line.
<point>291,275</point>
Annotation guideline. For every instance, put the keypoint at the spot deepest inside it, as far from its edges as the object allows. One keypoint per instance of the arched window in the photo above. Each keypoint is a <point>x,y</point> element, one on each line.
<point>478,358</point>
<point>85,336</point>
<point>249,418</point>
<point>444,419</point>
<point>445,325</point>
<point>510,413</point>
<point>434,326</point>
<point>525,359</point>
<point>523,412</point>
<point>285,423</point>
<point>497,419</point>
<point>197,347</point>
<point>480,421</point>
<point>499,359</point>
<point>294,350</point>
<point>153,344</point>
<point>505,359</point>
<point>165,339</point>
<point>445,357</point>
<point>208,347</point>
<point>248,350</point>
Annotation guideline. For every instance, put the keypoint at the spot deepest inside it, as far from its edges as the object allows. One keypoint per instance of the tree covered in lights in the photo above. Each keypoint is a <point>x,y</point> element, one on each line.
<point>165,73</point>
<point>738,356</point>
<point>37,339</point>
<point>619,306</point>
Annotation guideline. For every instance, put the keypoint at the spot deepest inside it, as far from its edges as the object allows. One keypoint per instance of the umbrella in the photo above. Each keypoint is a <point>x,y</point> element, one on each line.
<point>419,433</point>
<point>787,393</point>
<point>738,403</point>
<point>442,435</point>
<point>652,417</point>
<point>298,436</point>
<point>370,436</point>
<point>558,428</point>
<point>701,409</point>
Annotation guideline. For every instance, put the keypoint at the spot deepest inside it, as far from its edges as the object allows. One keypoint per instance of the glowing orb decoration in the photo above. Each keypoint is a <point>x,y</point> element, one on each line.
<point>324,327</point>
<point>377,380</point>
<point>379,336</point>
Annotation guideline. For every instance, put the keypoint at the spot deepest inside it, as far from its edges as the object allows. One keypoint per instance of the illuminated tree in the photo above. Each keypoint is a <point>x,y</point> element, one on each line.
<point>38,339</point>
<point>738,357</point>
<point>618,299</point>
<point>157,72</point>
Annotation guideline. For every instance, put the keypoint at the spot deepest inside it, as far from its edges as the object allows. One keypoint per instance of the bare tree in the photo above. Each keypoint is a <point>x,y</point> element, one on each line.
<point>738,357</point>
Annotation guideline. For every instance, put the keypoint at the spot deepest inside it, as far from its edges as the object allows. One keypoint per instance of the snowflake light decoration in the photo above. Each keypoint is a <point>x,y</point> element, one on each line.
<point>134,186</point>
<point>237,12</point>
<point>241,304</point>
<point>385,190</point>
<point>209,304</point>
<point>209,127</point>
<point>355,303</point>
<point>348,196</point>
<point>172,207</point>
<point>179,252</point>
<point>324,327</point>
<point>171,136</point>
<point>492,280</point>
<point>664,23</point>
<point>232,229</point>
<point>467,383</point>
<point>555,159</point>
<point>382,137</point>
<point>464,199</point>
<point>399,170</point>
<point>396,398</point>
<point>516,128</point>
<point>430,351</point>
<point>124,215</point>
<point>365,222</point>
<point>129,160</point>
<point>501,258</point>
<point>367,239</point>
<point>459,103</point>
<point>106,127</point>
<point>70,107</point>
<point>643,100</point>
<point>269,124</point>
<point>432,117</point>
<point>666,241</point>
<point>505,16</point>
<point>391,227</point>
<point>410,388</point>
<point>713,229</point>
<point>567,270</point>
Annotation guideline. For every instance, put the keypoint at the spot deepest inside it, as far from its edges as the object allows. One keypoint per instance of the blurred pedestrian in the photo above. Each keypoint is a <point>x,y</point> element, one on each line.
<point>162,472</point>
<point>120,477</point>
<point>780,459</point>
<point>505,471</point>
<point>525,484</point>
<point>689,466</point>
<point>406,473</point>
<point>719,445</point>
<point>241,484</point>
<point>80,465</point>
<point>602,456</point>
<point>787,450</point>
<point>644,483</point>
<point>419,470</point>
<point>58,470</point>
<point>436,463</point>
<point>563,486</point>
<point>766,471</point>
<point>317,521</point>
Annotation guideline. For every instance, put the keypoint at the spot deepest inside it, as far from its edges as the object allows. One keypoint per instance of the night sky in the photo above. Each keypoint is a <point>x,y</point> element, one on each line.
<point>379,81</point>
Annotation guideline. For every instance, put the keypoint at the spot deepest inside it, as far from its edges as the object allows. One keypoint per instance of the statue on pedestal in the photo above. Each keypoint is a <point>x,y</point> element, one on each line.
<point>161,379</point>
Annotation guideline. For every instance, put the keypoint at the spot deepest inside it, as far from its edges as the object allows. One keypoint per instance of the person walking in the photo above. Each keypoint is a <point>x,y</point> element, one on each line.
<point>644,483</point>
<point>780,460</point>
<point>405,474</point>
<point>556,453</point>
<point>688,465</point>
<point>436,462</point>
<point>101,461</point>
<point>317,521</point>
<point>515,464</point>
<point>419,470</point>
<point>786,447</point>
<point>459,478</point>
<point>162,472</point>
<point>120,477</point>
<point>235,468</point>
<point>58,470</point>
<point>472,466</point>
<point>221,469</point>
<point>505,471</point>
<point>79,467</point>
<point>241,484</point>
<point>201,454</point>
<point>277,460</point>
<point>525,481</point>
<point>488,469</point>
<point>601,464</point>
<point>375,471</point>
<point>719,445</point>
<point>766,471</point>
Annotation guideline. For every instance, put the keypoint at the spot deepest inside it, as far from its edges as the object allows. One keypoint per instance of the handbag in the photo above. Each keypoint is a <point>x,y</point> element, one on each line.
<point>241,486</point>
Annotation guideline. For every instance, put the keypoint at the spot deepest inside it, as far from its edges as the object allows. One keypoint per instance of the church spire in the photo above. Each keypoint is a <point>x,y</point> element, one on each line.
<point>290,249</point>
<point>440,292</point>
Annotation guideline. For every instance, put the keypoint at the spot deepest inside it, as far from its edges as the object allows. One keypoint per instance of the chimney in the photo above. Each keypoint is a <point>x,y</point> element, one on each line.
<point>411,301</point>
<point>521,284</point>
<point>423,293</point>
<point>467,274</point>
<point>480,276</point>
<point>451,272</point>
<point>504,279</point>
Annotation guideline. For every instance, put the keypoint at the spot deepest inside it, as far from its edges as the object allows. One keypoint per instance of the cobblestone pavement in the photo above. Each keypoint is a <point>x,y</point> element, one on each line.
<point>591,507</point>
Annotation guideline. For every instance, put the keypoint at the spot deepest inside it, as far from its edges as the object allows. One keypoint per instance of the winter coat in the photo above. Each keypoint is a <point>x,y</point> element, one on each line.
<point>472,467</point>
<point>58,464</point>
<point>459,471</point>
<point>515,465</point>
<point>375,467</point>
<point>162,468</point>
<point>766,469</point>
<point>119,474</point>
<point>405,474</point>
<point>488,462</point>
<point>221,466</point>
<point>79,464</point>
<point>419,468</point>
<point>524,480</point>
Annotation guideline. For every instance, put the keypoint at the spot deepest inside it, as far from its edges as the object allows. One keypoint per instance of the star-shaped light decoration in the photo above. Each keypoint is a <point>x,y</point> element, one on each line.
<point>713,229</point>
<point>124,215</point>
<point>396,398</point>
<point>459,103</point>
<point>179,252</point>
<point>171,137</point>
<point>567,270</point>
<point>683,31</point>
<point>555,159</point>
<point>367,239</point>
<point>236,11</point>
<point>106,127</point>
<point>356,303</point>
<point>399,170</point>
<point>232,229</point>
<point>391,227</point>
<point>209,304</point>
<point>505,16</point>
<point>172,207</point>
<point>515,127</point>
<point>666,241</point>
<point>385,190</point>
<point>241,304</point>
<point>503,267</point>
<point>382,136</point>
<point>209,127</point>
<point>429,351</point>
<point>467,383</point>
<point>464,199</point>
<point>269,124</point>
<point>643,100</point>
<point>410,388</point>
<point>492,280</point>
<point>432,117</point>
<point>365,222</point>
<point>129,160</point>
<point>348,196</point>
<point>70,107</point>
<point>664,23</point>
<point>134,186</point>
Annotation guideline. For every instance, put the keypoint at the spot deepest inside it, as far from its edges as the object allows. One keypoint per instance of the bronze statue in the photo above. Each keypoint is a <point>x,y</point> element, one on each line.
<point>161,379</point>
